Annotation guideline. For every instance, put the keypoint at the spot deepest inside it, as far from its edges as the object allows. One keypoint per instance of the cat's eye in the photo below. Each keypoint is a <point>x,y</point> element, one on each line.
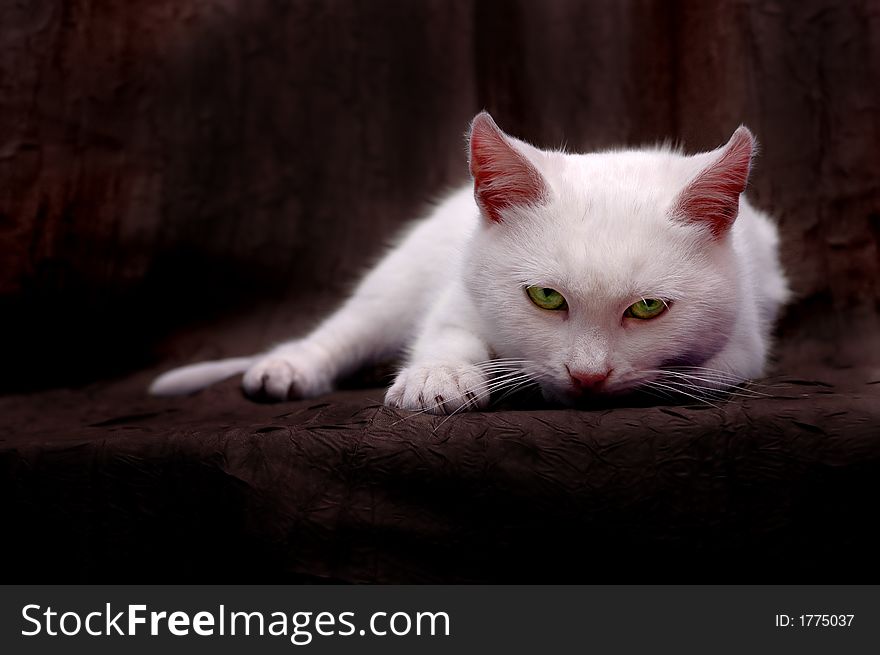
<point>645,309</point>
<point>546,298</point>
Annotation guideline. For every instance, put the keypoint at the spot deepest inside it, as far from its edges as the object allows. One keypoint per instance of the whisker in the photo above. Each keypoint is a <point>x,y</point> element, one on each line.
<point>713,392</point>
<point>730,389</point>
<point>499,371</point>
<point>464,406</point>
<point>513,387</point>
<point>722,374</point>
<point>507,360</point>
<point>712,375</point>
<point>654,383</point>
<point>491,386</point>
<point>656,393</point>
<point>518,386</point>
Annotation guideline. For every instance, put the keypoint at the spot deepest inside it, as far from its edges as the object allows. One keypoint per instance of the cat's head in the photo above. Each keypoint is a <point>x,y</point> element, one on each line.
<point>597,271</point>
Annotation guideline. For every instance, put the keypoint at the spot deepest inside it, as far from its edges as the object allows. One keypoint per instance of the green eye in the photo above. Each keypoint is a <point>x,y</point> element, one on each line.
<point>644,309</point>
<point>546,298</point>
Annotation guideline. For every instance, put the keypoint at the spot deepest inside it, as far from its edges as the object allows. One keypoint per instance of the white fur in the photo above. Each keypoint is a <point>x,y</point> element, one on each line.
<point>451,294</point>
<point>194,377</point>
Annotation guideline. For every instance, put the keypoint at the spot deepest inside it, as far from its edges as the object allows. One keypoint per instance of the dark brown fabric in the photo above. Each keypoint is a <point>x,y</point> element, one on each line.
<point>106,484</point>
<point>185,180</point>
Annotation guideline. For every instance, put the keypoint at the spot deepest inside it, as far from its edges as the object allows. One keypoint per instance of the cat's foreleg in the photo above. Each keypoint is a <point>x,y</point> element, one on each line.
<point>376,322</point>
<point>442,374</point>
<point>364,330</point>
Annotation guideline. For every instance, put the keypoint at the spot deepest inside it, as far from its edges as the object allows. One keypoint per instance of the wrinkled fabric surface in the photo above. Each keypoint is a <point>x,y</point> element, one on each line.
<point>106,483</point>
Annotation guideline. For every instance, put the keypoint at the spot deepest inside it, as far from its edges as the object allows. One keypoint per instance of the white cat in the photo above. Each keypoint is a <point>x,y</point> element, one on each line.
<point>585,274</point>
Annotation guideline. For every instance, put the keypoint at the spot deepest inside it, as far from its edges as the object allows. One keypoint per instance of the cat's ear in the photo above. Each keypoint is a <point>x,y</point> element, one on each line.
<point>712,197</point>
<point>503,175</point>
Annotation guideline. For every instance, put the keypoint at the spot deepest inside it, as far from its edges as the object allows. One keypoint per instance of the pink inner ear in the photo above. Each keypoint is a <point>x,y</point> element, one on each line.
<point>503,177</point>
<point>712,198</point>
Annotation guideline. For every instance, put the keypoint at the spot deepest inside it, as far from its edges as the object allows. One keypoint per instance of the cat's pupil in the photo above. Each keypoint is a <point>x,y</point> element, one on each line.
<point>547,292</point>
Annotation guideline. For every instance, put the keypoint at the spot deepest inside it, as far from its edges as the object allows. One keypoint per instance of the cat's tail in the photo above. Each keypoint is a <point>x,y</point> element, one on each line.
<point>192,378</point>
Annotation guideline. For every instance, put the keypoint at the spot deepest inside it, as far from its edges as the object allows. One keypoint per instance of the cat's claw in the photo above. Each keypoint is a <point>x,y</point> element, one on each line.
<point>278,377</point>
<point>439,389</point>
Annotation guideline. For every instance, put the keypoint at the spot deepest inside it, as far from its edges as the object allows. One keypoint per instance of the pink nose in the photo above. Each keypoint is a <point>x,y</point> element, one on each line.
<point>590,381</point>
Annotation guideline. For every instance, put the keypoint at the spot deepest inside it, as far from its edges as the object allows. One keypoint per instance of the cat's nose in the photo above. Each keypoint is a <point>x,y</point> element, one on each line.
<point>590,381</point>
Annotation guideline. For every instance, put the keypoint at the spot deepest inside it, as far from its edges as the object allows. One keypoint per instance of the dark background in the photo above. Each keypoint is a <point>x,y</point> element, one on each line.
<point>181,180</point>
<point>166,166</point>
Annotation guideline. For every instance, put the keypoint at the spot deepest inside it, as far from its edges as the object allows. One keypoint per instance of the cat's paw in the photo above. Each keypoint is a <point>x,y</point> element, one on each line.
<point>284,376</point>
<point>439,388</point>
